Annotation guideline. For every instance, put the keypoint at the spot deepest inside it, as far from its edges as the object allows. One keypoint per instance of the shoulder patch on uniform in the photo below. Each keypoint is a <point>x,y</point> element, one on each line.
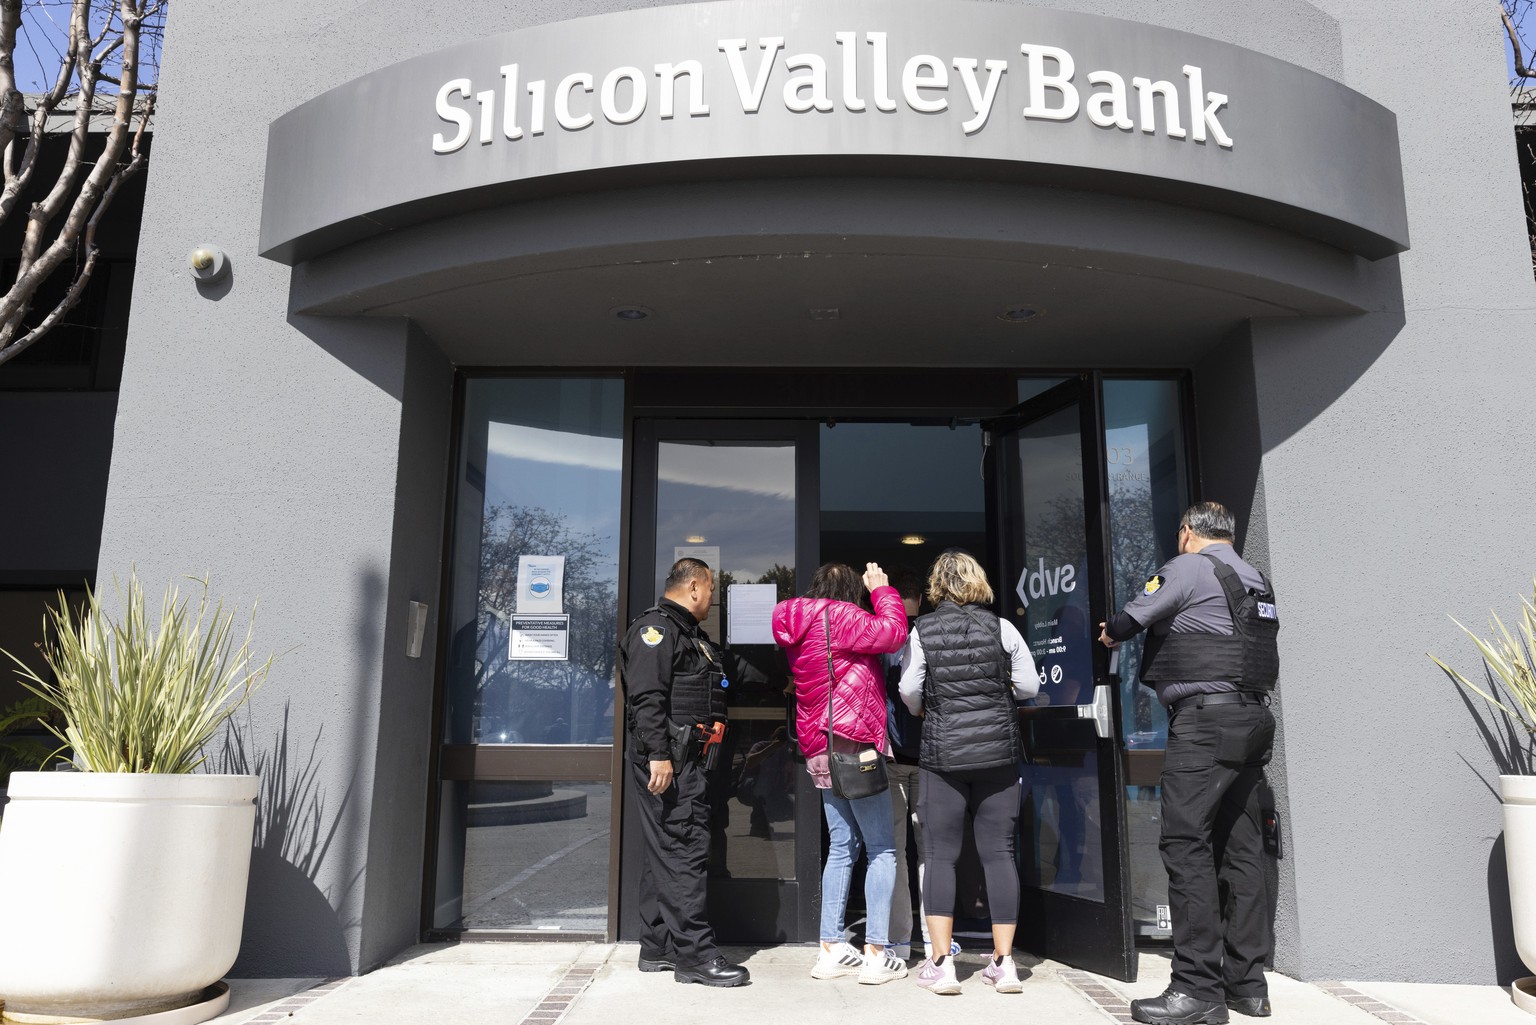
<point>652,636</point>
<point>1153,583</point>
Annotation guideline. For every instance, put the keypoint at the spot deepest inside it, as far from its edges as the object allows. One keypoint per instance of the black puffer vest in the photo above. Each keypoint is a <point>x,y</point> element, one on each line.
<point>970,718</point>
<point>696,673</point>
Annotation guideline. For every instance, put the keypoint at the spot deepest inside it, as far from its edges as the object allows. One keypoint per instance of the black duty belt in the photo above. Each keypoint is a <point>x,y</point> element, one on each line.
<point>1226,697</point>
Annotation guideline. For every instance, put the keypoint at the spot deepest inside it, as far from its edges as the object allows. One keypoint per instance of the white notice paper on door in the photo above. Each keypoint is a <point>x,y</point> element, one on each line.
<point>749,608</point>
<point>540,583</point>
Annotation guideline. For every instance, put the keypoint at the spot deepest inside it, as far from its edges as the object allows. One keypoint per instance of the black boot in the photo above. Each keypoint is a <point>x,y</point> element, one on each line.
<point>718,972</point>
<point>1179,1009</point>
<point>659,963</point>
<point>1253,1007</point>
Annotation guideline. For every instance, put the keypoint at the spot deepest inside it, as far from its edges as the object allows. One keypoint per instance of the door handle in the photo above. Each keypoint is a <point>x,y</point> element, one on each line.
<point>1099,710</point>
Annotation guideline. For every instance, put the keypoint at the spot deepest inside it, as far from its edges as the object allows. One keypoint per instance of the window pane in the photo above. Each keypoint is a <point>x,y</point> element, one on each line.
<point>1061,815</point>
<point>536,553</point>
<point>1148,492</point>
<point>732,504</point>
<point>530,856</point>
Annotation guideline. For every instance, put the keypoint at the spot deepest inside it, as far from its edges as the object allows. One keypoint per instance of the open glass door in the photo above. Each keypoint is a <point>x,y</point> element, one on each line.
<point>1047,513</point>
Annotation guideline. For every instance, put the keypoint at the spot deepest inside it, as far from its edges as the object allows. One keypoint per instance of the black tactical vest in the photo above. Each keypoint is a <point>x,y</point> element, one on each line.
<point>970,720</point>
<point>696,674</point>
<point>1248,657</point>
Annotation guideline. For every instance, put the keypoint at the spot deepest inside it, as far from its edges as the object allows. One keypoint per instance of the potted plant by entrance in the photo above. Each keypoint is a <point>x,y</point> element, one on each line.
<point>1509,684</point>
<point>124,883</point>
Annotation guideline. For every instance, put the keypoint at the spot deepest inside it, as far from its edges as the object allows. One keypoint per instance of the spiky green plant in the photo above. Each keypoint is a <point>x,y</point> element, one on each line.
<point>143,696</point>
<point>1508,666</point>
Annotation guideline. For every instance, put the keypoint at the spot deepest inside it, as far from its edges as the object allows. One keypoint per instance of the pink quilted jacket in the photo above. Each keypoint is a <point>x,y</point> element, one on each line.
<point>858,704</point>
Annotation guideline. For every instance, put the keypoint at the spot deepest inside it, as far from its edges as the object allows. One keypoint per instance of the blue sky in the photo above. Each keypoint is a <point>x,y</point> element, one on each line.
<point>41,43</point>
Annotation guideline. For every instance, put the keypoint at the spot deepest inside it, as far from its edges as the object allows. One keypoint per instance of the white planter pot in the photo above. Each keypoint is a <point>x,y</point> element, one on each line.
<point>123,893</point>
<point>1519,795</point>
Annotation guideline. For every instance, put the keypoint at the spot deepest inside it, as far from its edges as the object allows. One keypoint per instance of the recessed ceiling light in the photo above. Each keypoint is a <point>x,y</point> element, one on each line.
<point>1020,314</point>
<point>913,539</point>
<point>630,312</point>
<point>695,539</point>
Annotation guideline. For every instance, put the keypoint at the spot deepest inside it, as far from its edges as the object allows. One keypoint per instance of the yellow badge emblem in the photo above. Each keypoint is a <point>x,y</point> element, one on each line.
<point>1153,584</point>
<point>651,636</point>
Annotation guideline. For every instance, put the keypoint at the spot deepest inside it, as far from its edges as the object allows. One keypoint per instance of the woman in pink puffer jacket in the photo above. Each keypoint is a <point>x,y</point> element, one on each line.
<point>829,615</point>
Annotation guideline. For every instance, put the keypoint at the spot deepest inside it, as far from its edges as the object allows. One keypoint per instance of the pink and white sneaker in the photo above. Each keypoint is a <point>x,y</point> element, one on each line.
<point>1002,977</point>
<point>939,978</point>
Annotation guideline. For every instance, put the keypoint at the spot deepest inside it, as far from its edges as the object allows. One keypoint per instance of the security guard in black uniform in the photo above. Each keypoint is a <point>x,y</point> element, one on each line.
<point>1212,657</point>
<point>674,686</point>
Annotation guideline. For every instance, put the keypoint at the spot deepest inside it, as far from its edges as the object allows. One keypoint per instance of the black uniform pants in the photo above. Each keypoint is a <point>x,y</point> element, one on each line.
<point>673,883</point>
<point>1212,845</point>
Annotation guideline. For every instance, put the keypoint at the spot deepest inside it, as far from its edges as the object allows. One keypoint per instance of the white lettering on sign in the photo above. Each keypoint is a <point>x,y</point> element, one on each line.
<point>1046,583</point>
<point>1051,85</point>
<point>453,115</point>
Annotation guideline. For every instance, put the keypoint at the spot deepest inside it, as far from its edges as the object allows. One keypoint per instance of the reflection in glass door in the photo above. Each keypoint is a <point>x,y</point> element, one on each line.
<point>1149,489</point>
<point>524,763</point>
<point>732,494</point>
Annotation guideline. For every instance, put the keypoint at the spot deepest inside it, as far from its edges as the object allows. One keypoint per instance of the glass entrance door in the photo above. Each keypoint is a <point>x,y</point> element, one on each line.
<point>1046,485</point>
<point>524,755</point>
<point>741,496</point>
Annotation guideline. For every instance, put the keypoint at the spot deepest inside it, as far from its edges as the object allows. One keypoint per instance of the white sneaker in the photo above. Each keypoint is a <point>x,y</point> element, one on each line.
<point>841,960</point>
<point>900,950</point>
<point>1003,977</point>
<point>939,978</point>
<point>881,967</point>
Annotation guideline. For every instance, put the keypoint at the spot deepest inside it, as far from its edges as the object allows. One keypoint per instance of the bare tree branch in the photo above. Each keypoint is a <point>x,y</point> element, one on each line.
<point>12,106</point>
<point>83,190</point>
<point>76,289</point>
<point>1514,41</point>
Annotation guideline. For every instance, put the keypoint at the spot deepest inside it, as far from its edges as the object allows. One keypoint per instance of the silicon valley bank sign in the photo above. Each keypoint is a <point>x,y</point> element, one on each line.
<point>923,85</point>
<point>746,89</point>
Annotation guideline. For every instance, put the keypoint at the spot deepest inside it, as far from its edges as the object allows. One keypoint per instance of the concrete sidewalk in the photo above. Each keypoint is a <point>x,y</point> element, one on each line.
<point>597,984</point>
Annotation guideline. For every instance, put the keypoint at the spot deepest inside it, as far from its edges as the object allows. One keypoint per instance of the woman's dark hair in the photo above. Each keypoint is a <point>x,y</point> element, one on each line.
<point>837,581</point>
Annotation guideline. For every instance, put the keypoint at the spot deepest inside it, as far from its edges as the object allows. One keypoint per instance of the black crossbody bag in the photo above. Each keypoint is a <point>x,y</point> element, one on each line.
<point>855,774</point>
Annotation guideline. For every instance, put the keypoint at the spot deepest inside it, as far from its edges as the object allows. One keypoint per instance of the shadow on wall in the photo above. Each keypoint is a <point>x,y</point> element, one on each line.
<point>1312,362</point>
<point>373,348</point>
<point>294,832</point>
<point>1501,923</point>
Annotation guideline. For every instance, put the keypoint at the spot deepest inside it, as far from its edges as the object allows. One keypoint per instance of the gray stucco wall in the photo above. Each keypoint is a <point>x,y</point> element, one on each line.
<point>299,460</point>
<point>1390,501</point>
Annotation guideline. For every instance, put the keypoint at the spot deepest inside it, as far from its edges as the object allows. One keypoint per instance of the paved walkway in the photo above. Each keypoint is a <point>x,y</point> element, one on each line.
<point>597,984</point>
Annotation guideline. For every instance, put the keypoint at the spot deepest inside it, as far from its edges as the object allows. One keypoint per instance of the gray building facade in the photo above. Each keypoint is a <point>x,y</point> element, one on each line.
<point>468,245</point>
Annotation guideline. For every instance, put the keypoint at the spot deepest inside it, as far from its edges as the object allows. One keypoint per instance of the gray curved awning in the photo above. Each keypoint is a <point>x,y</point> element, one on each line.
<point>913,89</point>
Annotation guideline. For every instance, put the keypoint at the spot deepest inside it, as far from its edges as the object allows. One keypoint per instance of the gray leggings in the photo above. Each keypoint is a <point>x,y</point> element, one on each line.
<point>992,798</point>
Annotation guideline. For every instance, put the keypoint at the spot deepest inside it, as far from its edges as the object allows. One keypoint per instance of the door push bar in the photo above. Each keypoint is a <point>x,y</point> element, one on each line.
<point>1100,709</point>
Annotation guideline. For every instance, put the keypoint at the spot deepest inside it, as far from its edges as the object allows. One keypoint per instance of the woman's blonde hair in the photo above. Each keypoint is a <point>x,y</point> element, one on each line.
<point>959,578</point>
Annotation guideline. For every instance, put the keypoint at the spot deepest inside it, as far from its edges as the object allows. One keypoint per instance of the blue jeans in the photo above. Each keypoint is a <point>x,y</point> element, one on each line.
<point>851,825</point>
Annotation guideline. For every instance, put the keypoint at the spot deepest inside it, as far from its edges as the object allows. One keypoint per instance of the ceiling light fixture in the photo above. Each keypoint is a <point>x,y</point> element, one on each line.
<point>695,539</point>
<point>913,539</point>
